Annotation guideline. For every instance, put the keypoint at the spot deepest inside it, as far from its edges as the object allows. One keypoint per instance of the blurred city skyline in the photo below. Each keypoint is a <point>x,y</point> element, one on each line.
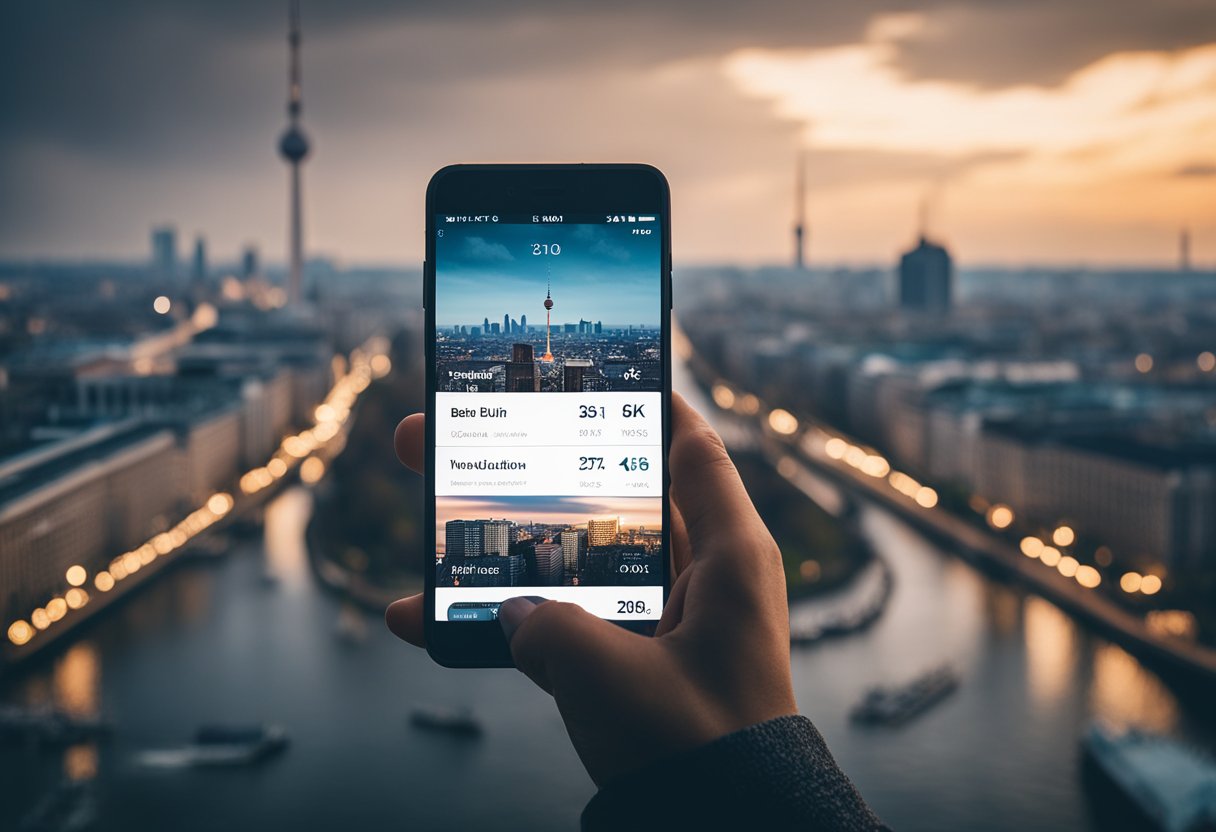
<point>1035,132</point>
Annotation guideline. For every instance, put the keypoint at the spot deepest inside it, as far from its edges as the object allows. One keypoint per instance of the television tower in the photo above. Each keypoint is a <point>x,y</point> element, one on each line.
<point>800,213</point>
<point>293,147</point>
<point>1184,250</point>
<point>548,356</point>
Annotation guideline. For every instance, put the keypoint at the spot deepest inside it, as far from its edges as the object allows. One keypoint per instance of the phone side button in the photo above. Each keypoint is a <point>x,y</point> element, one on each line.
<point>424,284</point>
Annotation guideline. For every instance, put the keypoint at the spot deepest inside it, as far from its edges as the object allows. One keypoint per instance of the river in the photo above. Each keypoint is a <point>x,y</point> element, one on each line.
<point>223,642</point>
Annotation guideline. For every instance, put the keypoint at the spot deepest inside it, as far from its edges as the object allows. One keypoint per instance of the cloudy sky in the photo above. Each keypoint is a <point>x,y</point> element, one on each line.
<point>1037,130</point>
<point>602,273</point>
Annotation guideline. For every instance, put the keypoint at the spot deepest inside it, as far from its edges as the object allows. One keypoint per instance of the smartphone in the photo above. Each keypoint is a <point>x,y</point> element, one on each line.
<point>548,370</point>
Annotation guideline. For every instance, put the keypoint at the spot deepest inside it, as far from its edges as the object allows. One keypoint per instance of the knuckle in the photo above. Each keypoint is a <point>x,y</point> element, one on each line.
<point>715,448</point>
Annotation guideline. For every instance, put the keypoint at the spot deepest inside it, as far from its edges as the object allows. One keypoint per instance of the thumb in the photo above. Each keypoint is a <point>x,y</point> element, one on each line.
<point>552,640</point>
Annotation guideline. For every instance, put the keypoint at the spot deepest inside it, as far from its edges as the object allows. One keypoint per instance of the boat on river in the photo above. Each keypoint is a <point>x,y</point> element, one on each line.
<point>897,704</point>
<point>457,721</point>
<point>221,746</point>
<point>1170,784</point>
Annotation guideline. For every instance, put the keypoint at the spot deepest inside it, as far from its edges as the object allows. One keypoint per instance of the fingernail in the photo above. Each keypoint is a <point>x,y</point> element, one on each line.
<point>513,611</point>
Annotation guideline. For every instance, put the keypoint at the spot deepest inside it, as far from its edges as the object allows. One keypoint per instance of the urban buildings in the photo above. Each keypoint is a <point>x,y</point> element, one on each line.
<point>603,532</point>
<point>496,538</point>
<point>926,278</point>
<point>198,265</point>
<point>547,564</point>
<point>164,252</point>
<point>574,550</point>
<point>119,445</point>
<point>249,263</point>
<point>506,553</point>
<point>588,358</point>
<point>522,374</point>
<point>1086,400</point>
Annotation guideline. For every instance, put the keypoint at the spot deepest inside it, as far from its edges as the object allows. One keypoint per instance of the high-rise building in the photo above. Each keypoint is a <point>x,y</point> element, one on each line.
<point>926,275</point>
<point>523,324</point>
<point>574,550</point>
<point>603,532</point>
<point>198,266</point>
<point>512,570</point>
<point>1184,250</point>
<point>495,328</point>
<point>496,536</point>
<point>506,324</point>
<point>454,538</point>
<point>294,147</point>
<point>249,263</point>
<point>522,376</point>
<point>574,372</point>
<point>474,538</point>
<point>548,559</point>
<point>164,252</point>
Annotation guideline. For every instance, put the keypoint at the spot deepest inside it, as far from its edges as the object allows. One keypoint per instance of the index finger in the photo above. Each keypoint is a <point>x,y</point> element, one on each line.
<point>712,500</point>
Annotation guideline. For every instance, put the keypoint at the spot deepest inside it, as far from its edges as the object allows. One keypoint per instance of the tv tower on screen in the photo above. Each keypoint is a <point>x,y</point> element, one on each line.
<point>548,356</point>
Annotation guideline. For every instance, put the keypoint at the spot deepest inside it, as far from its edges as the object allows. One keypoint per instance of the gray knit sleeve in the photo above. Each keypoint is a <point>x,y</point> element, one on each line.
<point>775,775</point>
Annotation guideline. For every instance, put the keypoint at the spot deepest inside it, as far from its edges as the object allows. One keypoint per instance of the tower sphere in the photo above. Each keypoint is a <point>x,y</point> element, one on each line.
<point>294,144</point>
<point>548,303</point>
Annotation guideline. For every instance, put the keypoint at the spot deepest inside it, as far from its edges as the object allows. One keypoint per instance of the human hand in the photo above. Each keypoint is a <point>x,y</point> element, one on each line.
<point>719,661</point>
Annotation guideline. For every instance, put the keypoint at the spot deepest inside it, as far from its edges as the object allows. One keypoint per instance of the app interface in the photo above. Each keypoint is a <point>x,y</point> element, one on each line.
<point>548,419</point>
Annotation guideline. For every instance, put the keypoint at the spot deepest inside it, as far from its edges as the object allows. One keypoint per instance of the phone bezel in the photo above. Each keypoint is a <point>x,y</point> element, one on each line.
<point>531,188</point>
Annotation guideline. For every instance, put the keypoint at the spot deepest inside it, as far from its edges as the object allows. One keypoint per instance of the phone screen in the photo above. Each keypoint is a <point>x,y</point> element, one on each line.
<point>548,413</point>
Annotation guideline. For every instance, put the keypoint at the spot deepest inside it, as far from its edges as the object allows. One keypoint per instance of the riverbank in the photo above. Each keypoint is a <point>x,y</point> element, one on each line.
<point>366,532</point>
<point>1004,560</point>
<point>302,456</point>
<point>216,642</point>
<point>983,550</point>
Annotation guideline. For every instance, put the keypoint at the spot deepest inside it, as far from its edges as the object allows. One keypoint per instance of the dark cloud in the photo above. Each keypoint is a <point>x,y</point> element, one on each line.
<point>145,77</point>
<point>114,115</point>
<point>997,43</point>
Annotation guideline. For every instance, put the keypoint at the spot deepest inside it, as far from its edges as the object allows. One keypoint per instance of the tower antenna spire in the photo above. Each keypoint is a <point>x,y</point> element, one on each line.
<point>293,42</point>
<point>548,356</point>
<point>800,211</point>
<point>294,147</point>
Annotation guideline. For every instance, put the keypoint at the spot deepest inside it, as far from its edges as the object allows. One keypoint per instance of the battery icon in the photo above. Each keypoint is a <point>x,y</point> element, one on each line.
<point>645,219</point>
<point>632,218</point>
